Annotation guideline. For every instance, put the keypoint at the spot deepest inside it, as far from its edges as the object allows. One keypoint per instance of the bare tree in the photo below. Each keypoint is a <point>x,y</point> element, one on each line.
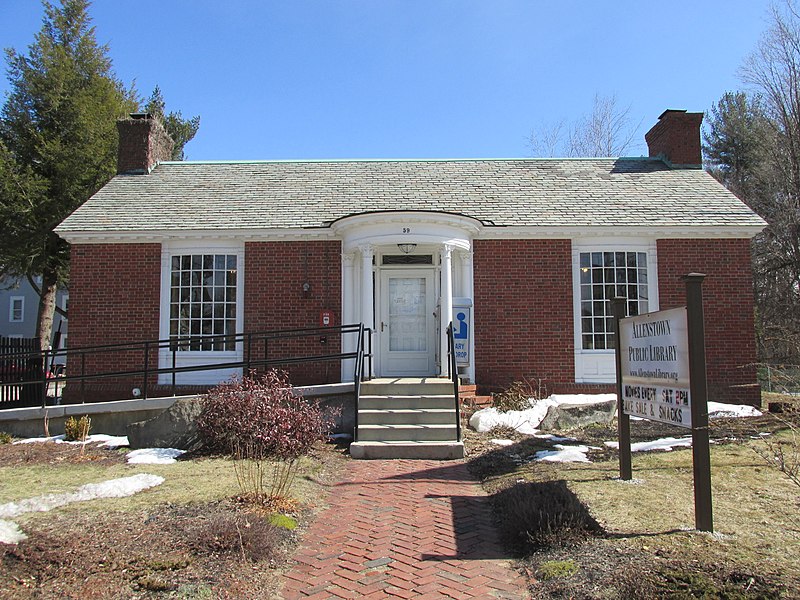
<point>605,131</point>
<point>547,140</point>
<point>773,70</point>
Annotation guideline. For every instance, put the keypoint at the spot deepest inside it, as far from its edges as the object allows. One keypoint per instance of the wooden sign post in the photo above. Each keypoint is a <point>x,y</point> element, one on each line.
<point>661,376</point>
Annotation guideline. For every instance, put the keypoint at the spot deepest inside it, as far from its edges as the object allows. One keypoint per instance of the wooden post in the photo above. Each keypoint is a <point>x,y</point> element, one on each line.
<point>623,420</point>
<point>701,458</point>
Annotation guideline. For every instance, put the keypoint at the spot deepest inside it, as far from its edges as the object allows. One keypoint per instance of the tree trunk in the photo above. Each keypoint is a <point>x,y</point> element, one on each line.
<point>47,308</point>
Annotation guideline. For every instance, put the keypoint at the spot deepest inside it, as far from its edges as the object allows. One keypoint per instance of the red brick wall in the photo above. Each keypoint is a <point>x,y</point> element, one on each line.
<point>728,308</point>
<point>114,296</point>
<point>274,299</point>
<point>523,312</point>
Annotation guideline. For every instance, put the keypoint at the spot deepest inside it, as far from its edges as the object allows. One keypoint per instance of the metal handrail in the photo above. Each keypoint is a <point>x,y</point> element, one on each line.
<point>357,374</point>
<point>173,344</point>
<point>452,370</point>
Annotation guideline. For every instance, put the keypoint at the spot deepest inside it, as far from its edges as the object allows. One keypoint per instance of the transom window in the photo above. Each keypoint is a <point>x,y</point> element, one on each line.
<point>202,312</point>
<point>407,259</point>
<point>604,275</point>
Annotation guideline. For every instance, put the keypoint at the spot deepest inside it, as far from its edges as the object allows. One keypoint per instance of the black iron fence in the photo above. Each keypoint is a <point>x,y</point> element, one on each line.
<point>21,372</point>
<point>152,360</point>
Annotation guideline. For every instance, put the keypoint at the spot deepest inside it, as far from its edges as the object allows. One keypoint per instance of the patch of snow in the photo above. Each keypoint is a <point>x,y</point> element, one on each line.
<point>111,441</point>
<point>553,438</point>
<point>663,444</point>
<point>632,481</point>
<point>501,442</point>
<point>10,533</point>
<point>154,456</point>
<point>564,454</point>
<point>718,410</point>
<point>52,438</point>
<point>526,421</point>
<point>107,441</point>
<point>113,488</point>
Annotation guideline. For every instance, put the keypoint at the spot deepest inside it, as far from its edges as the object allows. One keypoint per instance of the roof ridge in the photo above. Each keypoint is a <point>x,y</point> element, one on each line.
<point>408,160</point>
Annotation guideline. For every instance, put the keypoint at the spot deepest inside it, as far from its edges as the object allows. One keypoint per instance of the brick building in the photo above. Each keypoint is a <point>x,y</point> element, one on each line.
<point>523,254</point>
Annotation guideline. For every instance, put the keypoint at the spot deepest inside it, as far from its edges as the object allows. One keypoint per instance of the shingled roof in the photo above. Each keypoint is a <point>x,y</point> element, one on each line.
<point>230,196</point>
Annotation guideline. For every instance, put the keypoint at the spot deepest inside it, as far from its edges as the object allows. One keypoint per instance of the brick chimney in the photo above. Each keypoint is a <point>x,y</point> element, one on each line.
<point>676,137</point>
<point>143,143</point>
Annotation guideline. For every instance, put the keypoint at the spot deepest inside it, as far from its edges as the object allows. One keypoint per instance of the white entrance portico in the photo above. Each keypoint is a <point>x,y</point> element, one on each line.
<point>400,273</point>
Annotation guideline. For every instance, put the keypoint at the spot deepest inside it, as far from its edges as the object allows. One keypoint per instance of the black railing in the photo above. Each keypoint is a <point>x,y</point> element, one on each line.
<point>246,343</point>
<point>452,372</point>
<point>358,372</point>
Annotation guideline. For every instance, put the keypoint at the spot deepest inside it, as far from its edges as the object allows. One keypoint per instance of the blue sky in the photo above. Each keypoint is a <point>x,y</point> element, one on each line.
<point>410,78</point>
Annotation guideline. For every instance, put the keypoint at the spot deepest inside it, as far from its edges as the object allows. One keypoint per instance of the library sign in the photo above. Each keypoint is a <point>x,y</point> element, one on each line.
<point>654,354</point>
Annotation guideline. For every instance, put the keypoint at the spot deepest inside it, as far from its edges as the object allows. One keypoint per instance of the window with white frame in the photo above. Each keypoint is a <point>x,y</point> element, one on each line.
<point>604,275</point>
<point>16,309</point>
<point>203,301</point>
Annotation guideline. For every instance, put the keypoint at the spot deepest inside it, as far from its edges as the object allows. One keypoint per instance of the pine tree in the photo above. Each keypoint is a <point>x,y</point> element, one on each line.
<point>58,144</point>
<point>179,129</point>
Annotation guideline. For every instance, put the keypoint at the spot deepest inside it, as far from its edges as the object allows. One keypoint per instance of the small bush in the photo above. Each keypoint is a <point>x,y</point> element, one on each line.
<point>249,536</point>
<point>257,420</point>
<point>5,438</point>
<point>518,395</point>
<point>540,515</point>
<point>557,569</point>
<point>77,430</point>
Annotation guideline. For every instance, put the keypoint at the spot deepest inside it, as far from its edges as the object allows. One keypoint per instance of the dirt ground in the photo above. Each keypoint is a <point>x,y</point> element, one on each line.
<point>566,553</point>
<point>219,549</point>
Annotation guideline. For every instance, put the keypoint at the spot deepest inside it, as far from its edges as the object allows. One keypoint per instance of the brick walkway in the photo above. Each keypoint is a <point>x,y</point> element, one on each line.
<point>403,529</point>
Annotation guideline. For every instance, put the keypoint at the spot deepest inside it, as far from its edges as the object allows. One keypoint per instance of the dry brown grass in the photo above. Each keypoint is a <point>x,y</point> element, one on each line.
<point>649,547</point>
<point>187,538</point>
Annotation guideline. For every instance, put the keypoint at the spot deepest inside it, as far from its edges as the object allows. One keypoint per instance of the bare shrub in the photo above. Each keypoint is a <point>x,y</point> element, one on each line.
<point>518,395</point>
<point>265,427</point>
<point>782,452</point>
<point>250,536</point>
<point>533,516</point>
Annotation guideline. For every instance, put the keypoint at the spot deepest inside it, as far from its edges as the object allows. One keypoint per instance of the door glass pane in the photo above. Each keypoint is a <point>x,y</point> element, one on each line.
<point>407,331</point>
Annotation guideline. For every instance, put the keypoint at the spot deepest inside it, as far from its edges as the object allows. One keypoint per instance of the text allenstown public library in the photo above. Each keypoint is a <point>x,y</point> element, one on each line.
<point>527,250</point>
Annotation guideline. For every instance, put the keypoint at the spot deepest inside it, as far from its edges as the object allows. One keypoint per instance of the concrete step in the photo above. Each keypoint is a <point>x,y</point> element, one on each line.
<point>407,386</point>
<point>407,450</point>
<point>394,401</point>
<point>407,416</point>
<point>407,433</point>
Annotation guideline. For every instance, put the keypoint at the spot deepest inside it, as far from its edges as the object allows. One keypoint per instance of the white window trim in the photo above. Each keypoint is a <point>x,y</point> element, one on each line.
<point>198,357</point>
<point>11,318</point>
<point>598,366</point>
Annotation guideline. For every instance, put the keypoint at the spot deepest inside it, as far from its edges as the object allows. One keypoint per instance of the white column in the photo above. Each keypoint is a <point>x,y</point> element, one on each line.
<point>348,312</point>
<point>367,292</point>
<point>465,291</point>
<point>445,305</point>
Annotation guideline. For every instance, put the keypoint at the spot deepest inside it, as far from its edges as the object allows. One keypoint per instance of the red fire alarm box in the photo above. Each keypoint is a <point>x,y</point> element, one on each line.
<point>326,318</point>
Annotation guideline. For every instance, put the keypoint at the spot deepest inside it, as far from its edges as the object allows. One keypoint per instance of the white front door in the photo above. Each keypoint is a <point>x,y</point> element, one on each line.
<point>407,329</point>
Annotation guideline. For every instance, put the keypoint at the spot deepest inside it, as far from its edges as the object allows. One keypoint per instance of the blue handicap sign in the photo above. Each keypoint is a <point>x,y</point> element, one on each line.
<point>462,329</point>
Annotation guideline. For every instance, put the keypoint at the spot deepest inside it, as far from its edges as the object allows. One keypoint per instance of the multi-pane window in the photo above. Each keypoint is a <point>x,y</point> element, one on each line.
<point>16,310</point>
<point>202,310</point>
<point>603,276</point>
